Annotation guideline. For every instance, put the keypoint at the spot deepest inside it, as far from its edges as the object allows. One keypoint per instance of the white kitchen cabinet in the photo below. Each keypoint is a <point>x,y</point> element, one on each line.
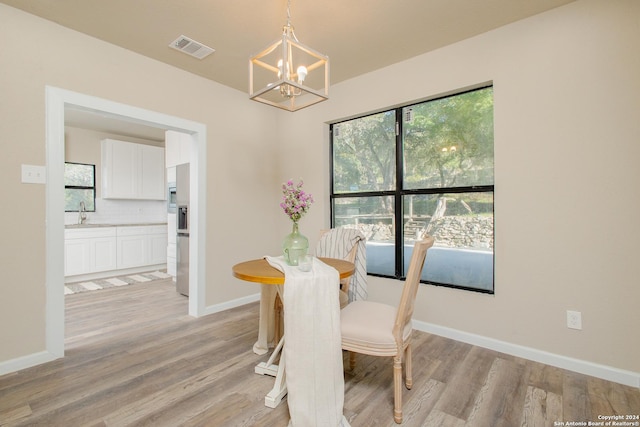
<point>141,245</point>
<point>171,174</point>
<point>158,248</point>
<point>103,254</point>
<point>132,171</point>
<point>131,251</point>
<point>172,265</point>
<point>152,178</point>
<point>77,253</point>
<point>177,148</point>
<point>89,250</point>
<point>119,170</point>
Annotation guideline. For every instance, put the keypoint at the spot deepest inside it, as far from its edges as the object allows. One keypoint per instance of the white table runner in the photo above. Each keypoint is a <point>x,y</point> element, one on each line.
<point>312,345</point>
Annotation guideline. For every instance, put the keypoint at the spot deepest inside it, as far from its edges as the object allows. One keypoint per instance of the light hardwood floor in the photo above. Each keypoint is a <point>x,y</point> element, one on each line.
<point>134,357</point>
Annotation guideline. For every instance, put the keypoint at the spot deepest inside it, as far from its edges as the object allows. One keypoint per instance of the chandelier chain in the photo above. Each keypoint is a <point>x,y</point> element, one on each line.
<point>289,28</point>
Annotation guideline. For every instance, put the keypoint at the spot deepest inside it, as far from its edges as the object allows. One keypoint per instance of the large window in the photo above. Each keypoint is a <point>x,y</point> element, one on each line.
<point>426,167</point>
<point>79,186</point>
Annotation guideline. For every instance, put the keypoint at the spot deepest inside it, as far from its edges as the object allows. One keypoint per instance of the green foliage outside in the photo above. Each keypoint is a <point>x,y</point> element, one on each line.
<point>82,179</point>
<point>364,154</point>
<point>447,163</point>
<point>447,144</point>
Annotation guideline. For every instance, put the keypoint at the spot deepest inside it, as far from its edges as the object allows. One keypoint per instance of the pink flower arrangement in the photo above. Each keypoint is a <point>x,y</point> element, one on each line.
<point>295,202</point>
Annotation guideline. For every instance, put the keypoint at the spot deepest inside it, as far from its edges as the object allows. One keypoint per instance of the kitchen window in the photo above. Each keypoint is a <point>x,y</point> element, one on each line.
<point>79,186</point>
<point>425,167</point>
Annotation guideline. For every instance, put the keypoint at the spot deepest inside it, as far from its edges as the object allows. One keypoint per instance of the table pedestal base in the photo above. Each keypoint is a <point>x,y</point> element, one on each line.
<point>279,390</point>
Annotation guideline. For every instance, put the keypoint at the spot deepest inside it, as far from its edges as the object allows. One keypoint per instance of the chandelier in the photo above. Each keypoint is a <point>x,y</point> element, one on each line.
<point>288,74</point>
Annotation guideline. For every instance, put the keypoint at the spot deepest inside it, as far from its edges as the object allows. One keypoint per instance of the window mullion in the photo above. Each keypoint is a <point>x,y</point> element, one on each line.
<point>78,187</point>
<point>399,210</point>
<point>331,170</point>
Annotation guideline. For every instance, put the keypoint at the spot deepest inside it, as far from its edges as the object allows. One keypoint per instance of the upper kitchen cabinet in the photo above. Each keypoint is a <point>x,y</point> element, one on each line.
<point>132,171</point>
<point>178,146</point>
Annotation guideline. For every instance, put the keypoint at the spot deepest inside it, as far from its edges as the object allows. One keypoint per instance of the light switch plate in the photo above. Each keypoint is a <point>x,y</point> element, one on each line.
<point>33,174</point>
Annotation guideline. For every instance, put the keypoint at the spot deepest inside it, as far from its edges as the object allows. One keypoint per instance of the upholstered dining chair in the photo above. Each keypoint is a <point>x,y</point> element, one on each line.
<point>347,244</point>
<point>378,329</point>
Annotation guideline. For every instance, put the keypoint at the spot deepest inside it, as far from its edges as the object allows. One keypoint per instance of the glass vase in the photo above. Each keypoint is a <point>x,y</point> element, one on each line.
<point>295,245</point>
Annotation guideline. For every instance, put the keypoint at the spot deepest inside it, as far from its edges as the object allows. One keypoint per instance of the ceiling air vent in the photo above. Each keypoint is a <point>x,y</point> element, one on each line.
<point>191,47</point>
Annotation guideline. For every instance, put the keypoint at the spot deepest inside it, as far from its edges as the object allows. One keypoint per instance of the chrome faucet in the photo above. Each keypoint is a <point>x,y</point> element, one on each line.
<point>82,215</point>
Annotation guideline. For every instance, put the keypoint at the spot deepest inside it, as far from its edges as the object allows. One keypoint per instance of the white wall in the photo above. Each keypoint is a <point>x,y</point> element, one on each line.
<point>567,99</point>
<point>239,162</point>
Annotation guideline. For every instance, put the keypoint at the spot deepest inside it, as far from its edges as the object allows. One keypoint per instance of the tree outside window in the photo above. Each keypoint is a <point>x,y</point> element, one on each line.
<point>79,186</point>
<point>426,167</point>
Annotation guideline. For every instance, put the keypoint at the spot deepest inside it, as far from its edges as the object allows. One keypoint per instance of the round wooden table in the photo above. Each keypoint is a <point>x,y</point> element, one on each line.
<point>259,270</point>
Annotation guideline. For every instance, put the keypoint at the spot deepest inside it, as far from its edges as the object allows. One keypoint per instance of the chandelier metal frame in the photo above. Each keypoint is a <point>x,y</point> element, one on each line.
<point>280,74</point>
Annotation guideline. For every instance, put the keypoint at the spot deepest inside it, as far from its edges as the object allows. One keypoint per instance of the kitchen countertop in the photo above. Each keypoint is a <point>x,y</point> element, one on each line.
<point>90,225</point>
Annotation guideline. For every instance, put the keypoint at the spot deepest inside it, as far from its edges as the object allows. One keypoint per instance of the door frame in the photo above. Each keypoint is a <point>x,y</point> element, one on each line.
<point>57,100</point>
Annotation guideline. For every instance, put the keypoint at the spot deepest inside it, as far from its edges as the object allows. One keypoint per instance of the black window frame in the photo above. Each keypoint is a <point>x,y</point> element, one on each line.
<point>399,192</point>
<point>81,187</point>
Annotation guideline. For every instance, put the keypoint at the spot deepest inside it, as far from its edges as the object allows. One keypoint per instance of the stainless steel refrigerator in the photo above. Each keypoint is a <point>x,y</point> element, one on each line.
<point>182,224</point>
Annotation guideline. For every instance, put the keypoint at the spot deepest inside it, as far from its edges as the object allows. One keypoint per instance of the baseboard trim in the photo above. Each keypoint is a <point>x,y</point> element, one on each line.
<point>231,304</point>
<point>25,362</point>
<point>605,372</point>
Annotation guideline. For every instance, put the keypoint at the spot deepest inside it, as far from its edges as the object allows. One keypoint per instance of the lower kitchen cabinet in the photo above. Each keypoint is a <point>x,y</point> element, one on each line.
<point>77,253</point>
<point>100,249</point>
<point>172,266</point>
<point>141,245</point>
<point>103,254</point>
<point>158,248</point>
<point>132,251</point>
<point>89,250</point>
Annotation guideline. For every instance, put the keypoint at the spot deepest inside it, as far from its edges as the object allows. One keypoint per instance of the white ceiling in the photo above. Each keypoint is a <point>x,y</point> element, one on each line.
<point>84,119</point>
<point>359,36</point>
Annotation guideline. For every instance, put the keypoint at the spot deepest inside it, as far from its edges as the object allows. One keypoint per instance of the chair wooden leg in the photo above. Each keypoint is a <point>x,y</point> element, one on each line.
<point>352,360</point>
<point>397,389</point>
<point>407,367</point>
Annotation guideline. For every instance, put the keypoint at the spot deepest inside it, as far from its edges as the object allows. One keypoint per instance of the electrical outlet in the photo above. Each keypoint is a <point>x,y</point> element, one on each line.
<point>574,319</point>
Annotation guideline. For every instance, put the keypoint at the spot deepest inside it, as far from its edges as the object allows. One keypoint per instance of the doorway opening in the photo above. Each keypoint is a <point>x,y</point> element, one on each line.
<point>59,101</point>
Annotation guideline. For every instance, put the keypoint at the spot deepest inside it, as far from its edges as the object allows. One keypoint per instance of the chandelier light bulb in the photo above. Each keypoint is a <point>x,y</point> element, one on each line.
<point>302,73</point>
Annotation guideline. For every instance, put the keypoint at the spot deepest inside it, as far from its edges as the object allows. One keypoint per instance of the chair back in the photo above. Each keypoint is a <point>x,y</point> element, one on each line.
<point>410,289</point>
<point>351,256</point>
<point>344,243</point>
